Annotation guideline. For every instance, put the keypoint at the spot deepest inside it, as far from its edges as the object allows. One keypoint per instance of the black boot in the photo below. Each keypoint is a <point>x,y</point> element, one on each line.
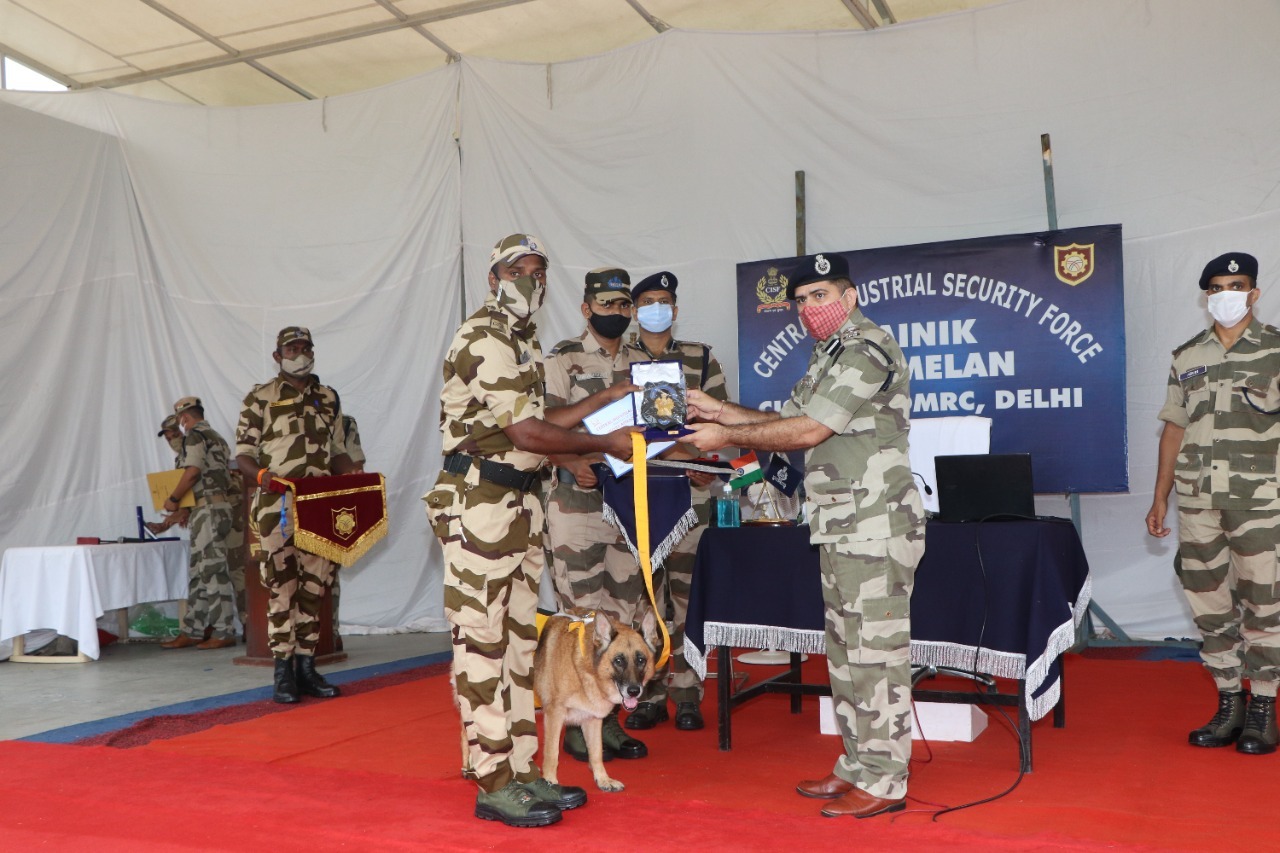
<point>286,683</point>
<point>1226,724</point>
<point>1259,735</point>
<point>311,682</point>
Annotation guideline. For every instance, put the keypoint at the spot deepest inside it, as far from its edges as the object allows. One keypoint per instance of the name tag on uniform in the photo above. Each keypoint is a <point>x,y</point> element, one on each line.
<point>1192,373</point>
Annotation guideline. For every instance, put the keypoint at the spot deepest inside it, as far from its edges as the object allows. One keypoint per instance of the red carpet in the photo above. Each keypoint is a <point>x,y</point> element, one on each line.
<point>378,771</point>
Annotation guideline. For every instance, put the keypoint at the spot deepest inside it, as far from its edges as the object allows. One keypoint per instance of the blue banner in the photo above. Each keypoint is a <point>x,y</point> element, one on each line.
<point>1026,329</point>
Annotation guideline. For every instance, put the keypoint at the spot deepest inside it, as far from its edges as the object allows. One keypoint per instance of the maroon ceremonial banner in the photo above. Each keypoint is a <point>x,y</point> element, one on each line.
<point>339,518</point>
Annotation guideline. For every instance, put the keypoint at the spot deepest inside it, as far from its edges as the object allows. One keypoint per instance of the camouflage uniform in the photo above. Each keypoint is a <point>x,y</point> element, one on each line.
<point>491,536</point>
<point>673,579</point>
<point>865,514</point>
<point>589,561</point>
<point>1225,477</point>
<point>356,452</point>
<point>210,596</point>
<point>236,552</point>
<point>292,434</point>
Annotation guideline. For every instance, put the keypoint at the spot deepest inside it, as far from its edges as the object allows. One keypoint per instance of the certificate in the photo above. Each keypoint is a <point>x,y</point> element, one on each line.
<point>616,415</point>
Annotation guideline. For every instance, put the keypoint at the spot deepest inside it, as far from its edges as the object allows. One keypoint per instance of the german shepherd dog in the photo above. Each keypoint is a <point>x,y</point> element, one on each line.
<point>586,664</point>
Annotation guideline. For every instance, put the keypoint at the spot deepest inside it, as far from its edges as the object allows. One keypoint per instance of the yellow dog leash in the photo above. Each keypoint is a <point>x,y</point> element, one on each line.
<point>641,486</point>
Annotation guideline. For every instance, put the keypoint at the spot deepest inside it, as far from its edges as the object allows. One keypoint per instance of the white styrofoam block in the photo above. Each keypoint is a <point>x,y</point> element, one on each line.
<point>938,721</point>
<point>826,716</point>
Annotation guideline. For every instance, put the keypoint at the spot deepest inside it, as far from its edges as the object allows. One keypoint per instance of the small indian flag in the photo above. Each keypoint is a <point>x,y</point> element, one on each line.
<point>746,470</point>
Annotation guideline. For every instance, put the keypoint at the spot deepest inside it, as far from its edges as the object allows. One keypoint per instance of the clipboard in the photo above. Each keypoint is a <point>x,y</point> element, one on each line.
<point>162,484</point>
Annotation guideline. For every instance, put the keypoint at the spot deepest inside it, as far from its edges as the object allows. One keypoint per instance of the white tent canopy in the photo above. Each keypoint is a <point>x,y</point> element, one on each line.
<point>239,52</point>
<point>151,250</point>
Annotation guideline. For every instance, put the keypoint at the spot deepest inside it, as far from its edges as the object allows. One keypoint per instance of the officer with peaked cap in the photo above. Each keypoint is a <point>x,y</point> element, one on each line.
<point>486,510</point>
<point>850,414</point>
<point>1218,448</point>
<point>656,312</point>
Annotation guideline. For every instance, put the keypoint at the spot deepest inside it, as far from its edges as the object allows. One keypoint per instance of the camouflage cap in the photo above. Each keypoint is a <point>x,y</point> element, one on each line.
<point>820,267</point>
<point>606,283</point>
<point>169,424</point>
<point>1232,263</point>
<point>184,404</point>
<point>510,249</point>
<point>292,334</point>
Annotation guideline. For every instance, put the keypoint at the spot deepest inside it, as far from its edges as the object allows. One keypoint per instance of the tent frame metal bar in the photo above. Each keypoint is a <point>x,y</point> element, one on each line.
<point>457,10</point>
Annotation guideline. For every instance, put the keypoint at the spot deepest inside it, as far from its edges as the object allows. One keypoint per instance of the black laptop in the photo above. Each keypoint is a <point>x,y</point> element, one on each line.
<point>990,486</point>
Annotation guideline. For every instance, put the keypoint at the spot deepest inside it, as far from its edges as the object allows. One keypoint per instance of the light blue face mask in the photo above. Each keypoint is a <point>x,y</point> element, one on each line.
<point>654,318</point>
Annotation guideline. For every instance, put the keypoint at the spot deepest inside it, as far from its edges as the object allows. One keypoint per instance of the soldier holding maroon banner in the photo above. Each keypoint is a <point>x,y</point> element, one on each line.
<point>291,427</point>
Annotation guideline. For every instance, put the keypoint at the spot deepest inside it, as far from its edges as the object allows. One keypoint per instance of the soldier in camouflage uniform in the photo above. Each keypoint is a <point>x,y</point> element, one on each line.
<point>656,311</point>
<point>237,554</point>
<point>210,598</point>
<point>356,452</point>
<point>850,413</point>
<point>590,563</point>
<point>486,510</point>
<point>172,435</point>
<point>1219,447</point>
<point>291,427</point>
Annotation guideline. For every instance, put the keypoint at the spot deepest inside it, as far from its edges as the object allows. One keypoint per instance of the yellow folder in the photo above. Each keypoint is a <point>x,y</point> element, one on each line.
<point>162,484</point>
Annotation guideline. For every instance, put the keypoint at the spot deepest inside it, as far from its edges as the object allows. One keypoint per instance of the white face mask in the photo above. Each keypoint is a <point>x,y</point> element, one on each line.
<point>1229,306</point>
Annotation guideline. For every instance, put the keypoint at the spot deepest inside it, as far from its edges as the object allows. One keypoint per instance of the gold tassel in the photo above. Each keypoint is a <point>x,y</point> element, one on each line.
<point>342,555</point>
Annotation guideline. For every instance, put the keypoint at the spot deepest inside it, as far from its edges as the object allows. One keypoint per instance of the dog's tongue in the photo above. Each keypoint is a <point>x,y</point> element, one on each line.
<point>630,702</point>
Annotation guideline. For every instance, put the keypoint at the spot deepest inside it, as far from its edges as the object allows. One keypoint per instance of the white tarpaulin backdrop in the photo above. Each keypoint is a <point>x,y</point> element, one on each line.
<point>149,251</point>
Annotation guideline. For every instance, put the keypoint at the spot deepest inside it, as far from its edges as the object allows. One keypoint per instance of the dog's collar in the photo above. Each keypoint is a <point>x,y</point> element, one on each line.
<point>578,624</point>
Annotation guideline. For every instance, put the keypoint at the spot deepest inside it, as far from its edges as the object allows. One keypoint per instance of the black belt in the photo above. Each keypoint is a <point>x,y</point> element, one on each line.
<point>495,472</point>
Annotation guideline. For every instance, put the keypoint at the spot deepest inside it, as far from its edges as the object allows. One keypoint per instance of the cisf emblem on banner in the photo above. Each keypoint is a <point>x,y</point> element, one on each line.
<point>344,522</point>
<point>1073,264</point>
<point>771,290</point>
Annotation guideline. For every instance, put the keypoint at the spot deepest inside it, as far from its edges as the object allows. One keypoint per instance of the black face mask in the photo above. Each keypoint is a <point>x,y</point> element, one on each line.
<point>609,326</point>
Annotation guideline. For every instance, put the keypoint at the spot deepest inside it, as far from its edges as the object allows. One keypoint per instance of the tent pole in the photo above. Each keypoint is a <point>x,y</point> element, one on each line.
<point>1085,634</point>
<point>800,221</point>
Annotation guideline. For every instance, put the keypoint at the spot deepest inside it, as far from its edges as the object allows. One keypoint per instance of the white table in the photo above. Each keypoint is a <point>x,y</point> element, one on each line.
<point>67,588</point>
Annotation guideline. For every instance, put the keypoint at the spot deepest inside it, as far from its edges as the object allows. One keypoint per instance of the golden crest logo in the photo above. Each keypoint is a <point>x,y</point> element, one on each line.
<point>1073,264</point>
<point>344,522</point>
<point>771,290</point>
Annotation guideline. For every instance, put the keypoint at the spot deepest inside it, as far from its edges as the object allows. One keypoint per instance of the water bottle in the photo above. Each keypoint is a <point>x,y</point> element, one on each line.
<point>727,514</point>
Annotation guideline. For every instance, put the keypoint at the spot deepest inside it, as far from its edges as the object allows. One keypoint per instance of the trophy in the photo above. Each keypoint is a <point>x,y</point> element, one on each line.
<point>660,403</point>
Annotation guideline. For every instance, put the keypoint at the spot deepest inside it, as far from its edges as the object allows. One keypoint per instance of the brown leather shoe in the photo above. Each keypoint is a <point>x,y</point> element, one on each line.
<point>182,641</point>
<point>861,804</point>
<point>217,643</point>
<point>824,789</point>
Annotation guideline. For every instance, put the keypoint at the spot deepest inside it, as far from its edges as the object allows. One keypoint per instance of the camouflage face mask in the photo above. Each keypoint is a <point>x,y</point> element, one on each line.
<point>298,366</point>
<point>520,297</point>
